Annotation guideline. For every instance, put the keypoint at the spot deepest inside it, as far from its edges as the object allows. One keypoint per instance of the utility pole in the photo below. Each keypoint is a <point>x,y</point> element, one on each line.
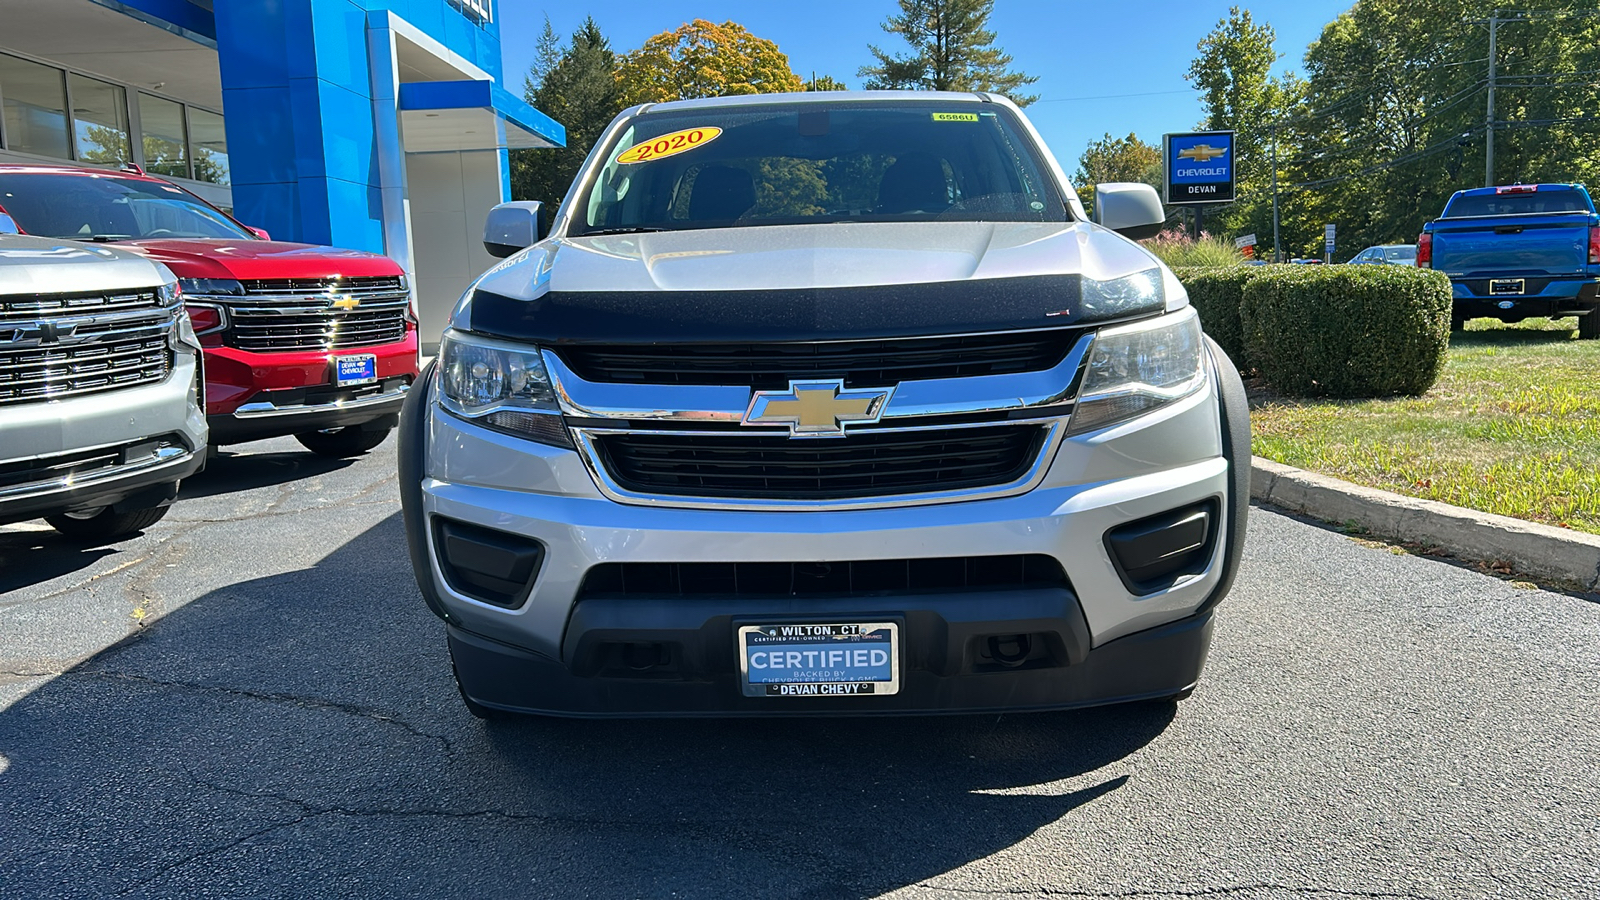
<point>1277,249</point>
<point>1488,141</point>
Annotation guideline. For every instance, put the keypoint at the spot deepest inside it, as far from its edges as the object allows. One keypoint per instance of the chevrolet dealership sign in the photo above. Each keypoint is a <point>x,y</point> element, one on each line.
<point>1199,167</point>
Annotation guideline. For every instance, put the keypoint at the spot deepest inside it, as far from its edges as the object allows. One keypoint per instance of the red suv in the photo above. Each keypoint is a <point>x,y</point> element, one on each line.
<point>312,341</point>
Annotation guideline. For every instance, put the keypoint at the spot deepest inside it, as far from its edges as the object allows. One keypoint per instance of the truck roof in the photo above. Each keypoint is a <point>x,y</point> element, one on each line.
<point>1519,188</point>
<point>822,97</point>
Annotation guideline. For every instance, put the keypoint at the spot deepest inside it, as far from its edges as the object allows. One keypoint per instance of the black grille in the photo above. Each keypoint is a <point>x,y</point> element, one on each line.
<point>876,576</point>
<point>296,314</point>
<point>101,356</point>
<point>861,363</point>
<point>861,465</point>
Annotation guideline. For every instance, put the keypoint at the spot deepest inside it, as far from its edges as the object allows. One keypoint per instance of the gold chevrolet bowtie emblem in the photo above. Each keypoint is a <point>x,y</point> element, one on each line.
<point>1202,152</point>
<point>346,302</point>
<point>816,408</point>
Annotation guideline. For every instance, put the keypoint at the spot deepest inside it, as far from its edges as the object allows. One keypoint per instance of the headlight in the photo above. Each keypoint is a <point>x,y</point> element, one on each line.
<point>500,385</point>
<point>1136,368</point>
<point>1136,293</point>
<point>211,287</point>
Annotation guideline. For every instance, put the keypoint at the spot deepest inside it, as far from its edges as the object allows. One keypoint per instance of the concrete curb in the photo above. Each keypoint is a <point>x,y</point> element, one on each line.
<point>1541,551</point>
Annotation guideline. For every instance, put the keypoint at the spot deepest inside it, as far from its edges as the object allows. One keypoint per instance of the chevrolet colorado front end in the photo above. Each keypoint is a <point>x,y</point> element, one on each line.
<point>825,404</point>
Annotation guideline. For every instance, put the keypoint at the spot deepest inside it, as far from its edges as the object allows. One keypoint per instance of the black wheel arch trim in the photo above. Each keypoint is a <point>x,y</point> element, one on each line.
<point>412,469</point>
<point>1234,408</point>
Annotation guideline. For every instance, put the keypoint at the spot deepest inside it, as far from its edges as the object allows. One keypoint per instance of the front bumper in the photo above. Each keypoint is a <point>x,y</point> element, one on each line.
<point>253,395</point>
<point>1156,663</point>
<point>531,655</point>
<point>50,447</point>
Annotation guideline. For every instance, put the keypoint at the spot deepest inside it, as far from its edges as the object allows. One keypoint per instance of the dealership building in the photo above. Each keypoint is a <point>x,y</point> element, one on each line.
<point>378,125</point>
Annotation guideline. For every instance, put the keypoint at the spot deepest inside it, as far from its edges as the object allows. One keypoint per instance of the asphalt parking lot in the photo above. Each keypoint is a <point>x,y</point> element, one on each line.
<point>251,700</point>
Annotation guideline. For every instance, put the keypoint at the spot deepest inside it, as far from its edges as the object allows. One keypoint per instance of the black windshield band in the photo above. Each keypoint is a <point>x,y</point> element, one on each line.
<point>810,314</point>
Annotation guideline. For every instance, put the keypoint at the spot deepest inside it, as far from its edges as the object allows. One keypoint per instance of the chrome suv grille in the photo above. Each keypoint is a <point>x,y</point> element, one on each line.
<point>864,464</point>
<point>298,314</point>
<point>772,365</point>
<point>63,345</point>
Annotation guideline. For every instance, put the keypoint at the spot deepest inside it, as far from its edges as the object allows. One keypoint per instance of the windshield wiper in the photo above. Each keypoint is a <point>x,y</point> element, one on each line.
<point>630,229</point>
<point>101,238</point>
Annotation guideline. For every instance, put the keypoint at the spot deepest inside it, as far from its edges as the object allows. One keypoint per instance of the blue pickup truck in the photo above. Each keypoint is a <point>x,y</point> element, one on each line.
<point>1519,251</point>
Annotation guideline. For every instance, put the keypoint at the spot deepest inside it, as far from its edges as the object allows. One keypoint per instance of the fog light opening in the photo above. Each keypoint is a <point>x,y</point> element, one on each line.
<point>1011,650</point>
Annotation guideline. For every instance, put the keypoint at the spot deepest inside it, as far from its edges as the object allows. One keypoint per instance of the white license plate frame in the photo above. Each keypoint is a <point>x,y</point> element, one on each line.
<point>824,674</point>
<point>367,373</point>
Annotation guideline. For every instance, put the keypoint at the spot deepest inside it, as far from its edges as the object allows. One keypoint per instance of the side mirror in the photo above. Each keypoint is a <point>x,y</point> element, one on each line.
<point>1132,210</point>
<point>513,226</point>
<point>8,225</point>
<point>259,232</point>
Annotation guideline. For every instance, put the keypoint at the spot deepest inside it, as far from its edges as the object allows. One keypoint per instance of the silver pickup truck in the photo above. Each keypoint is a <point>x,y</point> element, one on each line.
<point>827,403</point>
<point>100,413</point>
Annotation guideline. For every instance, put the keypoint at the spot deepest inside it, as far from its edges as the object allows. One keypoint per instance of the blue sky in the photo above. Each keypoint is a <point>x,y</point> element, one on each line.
<point>1078,48</point>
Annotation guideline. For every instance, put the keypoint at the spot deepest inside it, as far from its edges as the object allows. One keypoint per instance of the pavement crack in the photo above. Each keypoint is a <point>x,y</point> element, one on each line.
<point>209,852</point>
<point>287,699</point>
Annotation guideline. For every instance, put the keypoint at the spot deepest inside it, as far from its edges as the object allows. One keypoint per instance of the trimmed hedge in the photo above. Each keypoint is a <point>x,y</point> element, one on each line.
<point>1346,331</point>
<point>1217,293</point>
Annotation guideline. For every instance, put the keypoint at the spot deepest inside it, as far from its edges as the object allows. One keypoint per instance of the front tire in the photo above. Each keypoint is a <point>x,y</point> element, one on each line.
<point>106,524</point>
<point>341,443</point>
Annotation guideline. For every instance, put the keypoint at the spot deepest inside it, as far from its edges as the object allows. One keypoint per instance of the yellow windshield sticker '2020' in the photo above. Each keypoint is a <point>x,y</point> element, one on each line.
<point>955,117</point>
<point>670,144</point>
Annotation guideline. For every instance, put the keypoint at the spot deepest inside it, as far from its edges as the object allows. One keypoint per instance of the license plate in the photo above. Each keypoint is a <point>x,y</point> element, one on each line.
<point>355,369</point>
<point>1507,286</point>
<point>826,660</point>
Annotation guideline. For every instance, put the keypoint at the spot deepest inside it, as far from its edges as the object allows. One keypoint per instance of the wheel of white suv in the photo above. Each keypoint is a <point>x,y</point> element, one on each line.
<point>341,443</point>
<point>103,524</point>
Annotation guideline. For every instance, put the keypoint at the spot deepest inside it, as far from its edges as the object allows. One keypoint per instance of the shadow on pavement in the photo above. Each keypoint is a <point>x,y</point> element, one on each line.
<point>29,557</point>
<point>300,735</point>
<point>228,473</point>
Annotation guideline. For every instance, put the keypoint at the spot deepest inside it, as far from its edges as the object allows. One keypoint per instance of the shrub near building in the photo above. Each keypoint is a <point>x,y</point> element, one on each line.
<point>1346,331</point>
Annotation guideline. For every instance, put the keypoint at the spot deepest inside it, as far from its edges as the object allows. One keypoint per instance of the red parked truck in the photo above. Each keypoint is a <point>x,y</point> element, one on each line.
<point>302,340</point>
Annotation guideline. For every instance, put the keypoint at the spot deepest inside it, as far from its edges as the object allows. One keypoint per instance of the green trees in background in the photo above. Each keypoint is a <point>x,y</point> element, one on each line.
<point>952,49</point>
<point>1390,117</point>
<point>577,86</point>
<point>1116,159</point>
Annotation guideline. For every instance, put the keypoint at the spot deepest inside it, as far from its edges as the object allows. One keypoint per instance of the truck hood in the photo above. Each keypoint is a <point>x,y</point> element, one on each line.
<point>35,265</point>
<point>260,259</point>
<point>804,282</point>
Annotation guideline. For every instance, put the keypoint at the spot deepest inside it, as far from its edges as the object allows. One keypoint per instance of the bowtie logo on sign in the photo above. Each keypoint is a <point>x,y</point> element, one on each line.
<point>1199,167</point>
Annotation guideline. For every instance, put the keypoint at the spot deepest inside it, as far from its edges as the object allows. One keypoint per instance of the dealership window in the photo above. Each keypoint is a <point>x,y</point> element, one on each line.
<point>99,120</point>
<point>208,146</point>
<point>163,137</point>
<point>35,99</point>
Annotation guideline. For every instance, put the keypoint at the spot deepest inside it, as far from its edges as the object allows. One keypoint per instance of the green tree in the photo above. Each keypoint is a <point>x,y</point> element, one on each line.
<point>703,59</point>
<point>951,50</point>
<point>578,88</point>
<point>1234,75</point>
<point>1395,108</point>
<point>1116,159</point>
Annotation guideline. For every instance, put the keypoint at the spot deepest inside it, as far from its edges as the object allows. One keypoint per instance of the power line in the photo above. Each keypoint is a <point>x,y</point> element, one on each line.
<point>1116,96</point>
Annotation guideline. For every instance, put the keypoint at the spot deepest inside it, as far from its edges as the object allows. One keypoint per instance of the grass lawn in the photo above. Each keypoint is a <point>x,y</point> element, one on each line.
<point>1512,427</point>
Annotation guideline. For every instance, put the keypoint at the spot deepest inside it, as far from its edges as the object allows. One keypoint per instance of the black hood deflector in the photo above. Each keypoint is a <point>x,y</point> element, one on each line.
<point>809,314</point>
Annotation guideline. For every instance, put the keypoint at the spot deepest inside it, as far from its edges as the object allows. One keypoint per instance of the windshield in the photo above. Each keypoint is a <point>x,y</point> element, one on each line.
<point>801,163</point>
<point>109,208</point>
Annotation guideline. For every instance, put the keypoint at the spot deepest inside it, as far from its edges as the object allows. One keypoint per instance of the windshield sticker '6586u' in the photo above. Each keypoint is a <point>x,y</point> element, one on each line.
<point>670,144</point>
